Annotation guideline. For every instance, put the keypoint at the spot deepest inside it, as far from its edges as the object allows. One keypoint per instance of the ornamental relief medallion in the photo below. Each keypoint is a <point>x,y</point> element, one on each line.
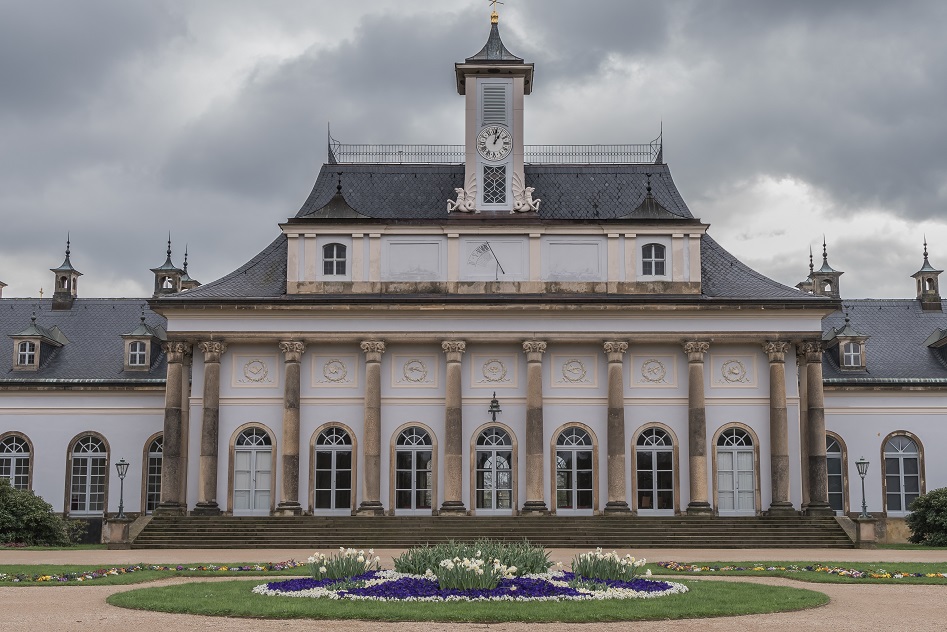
<point>574,370</point>
<point>335,370</point>
<point>653,370</point>
<point>493,370</point>
<point>419,370</point>
<point>255,370</point>
<point>735,370</point>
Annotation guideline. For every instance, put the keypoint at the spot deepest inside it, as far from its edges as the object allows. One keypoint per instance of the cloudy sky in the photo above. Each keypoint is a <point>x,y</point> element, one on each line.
<point>121,120</point>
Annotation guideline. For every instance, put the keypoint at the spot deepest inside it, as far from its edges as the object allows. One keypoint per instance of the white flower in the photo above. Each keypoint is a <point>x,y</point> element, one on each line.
<point>322,569</point>
<point>647,573</point>
<point>360,559</point>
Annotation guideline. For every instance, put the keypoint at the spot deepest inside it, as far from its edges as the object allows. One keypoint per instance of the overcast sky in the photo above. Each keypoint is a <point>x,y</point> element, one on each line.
<point>121,120</point>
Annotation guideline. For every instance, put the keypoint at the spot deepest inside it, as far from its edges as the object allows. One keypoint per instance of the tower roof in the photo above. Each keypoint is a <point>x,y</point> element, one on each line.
<point>926,267</point>
<point>66,265</point>
<point>826,268</point>
<point>494,50</point>
<point>167,266</point>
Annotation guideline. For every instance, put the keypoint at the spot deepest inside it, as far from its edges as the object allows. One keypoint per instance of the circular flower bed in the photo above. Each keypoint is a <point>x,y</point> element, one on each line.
<point>389,585</point>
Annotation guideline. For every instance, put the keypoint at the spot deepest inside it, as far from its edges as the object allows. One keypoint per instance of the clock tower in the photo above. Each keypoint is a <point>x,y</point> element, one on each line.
<point>494,82</point>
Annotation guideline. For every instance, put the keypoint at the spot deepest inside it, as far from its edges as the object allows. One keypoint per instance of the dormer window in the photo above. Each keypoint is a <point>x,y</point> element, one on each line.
<point>852,355</point>
<point>137,353</point>
<point>333,260</point>
<point>26,354</point>
<point>653,260</point>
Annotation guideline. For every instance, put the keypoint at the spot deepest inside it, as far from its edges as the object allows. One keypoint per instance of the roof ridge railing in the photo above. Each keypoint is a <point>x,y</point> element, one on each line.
<point>396,154</point>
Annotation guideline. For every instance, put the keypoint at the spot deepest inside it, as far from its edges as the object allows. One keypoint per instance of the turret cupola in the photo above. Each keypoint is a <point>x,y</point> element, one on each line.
<point>494,82</point>
<point>825,280</point>
<point>928,290</point>
<point>65,282</point>
<point>167,276</point>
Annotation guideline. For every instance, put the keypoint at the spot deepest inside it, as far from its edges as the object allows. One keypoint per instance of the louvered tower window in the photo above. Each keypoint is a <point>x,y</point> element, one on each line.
<point>494,104</point>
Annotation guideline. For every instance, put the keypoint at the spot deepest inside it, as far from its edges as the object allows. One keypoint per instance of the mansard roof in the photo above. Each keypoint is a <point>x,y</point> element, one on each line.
<point>568,192</point>
<point>95,353</point>
<point>897,350</point>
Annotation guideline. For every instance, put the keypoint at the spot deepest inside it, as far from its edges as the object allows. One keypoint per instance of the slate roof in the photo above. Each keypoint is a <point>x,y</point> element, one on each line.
<point>95,351</point>
<point>494,50</point>
<point>896,350</point>
<point>568,192</point>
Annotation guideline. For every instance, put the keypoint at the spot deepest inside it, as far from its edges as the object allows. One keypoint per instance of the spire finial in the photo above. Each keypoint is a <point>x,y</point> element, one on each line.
<point>169,244</point>
<point>142,314</point>
<point>825,251</point>
<point>648,188</point>
<point>185,269</point>
<point>925,247</point>
<point>494,16</point>
<point>67,244</point>
<point>811,266</point>
<point>338,186</point>
<point>33,318</point>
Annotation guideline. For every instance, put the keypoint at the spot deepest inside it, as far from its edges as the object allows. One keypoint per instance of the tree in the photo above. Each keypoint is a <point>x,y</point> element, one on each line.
<point>25,518</point>
<point>928,518</point>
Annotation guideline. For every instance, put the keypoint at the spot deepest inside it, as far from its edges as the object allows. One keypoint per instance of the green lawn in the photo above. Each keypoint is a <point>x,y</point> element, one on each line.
<point>820,576</point>
<point>28,573</point>
<point>705,599</point>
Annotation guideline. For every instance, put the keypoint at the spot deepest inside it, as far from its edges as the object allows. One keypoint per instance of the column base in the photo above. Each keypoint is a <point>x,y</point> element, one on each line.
<point>701,509</point>
<point>452,508</point>
<point>288,509</point>
<point>782,509</point>
<point>617,508</point>
<point>819,509</point>
<point>370,508</point>
<point>865,534</point>
<point>170,509</point>
<point>534,508</point>
<point>206,509</point>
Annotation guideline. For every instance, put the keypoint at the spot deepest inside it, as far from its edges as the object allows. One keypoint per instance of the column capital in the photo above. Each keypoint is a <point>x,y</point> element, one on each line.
<point>176,351</point>
<point>454,349</point>
<point>776,350</point>
<point>534,350</point>
<point>212,349</point>
<point>292,350</point>
<point>615,349</point>
<point>813,350</point>
<point>373,350</point>
<point>695,350</point>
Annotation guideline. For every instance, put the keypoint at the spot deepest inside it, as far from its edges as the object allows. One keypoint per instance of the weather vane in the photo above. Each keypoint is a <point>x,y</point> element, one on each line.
<point>494,16</point>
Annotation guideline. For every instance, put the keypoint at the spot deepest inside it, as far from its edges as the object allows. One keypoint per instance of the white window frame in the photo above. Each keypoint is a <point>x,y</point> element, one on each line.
<point>137,356</point>
<point>26,353</point>
<point>901,456</point>
<point>15,455</point>
<point>653,260</point>
<point>335,259</point>
<point>851,355</point>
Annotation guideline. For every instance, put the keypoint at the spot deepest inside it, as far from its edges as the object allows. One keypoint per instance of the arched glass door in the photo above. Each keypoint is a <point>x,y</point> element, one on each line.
<point>15,461</point>
<point>654,476</point>
<point>574,480</point>
<point>833,462</point>
<point>902,474</point>
<point>87,486</point>
<point>736,476</point>
<point>153,474</point>
<point>333,472</point>
<point>252,473</point>
<point>494,472</point>
<point>414,480</point>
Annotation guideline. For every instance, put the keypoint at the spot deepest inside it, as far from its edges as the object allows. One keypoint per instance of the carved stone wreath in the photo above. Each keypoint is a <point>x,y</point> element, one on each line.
<point>493,371</point>
<point>414,371</point>
<point>335,371</point>
<point>653,371</point>
<point>574,371</point>
<point>734,371</point>
<point>255,371</point>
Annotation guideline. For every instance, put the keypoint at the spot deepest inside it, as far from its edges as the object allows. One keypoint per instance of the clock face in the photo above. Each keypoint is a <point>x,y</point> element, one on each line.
<point>494,142</point>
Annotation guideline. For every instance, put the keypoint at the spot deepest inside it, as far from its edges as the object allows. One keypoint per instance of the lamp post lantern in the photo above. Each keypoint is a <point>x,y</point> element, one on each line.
<point>494,409</point>
<point>862,465</point>
<point>122,468</point>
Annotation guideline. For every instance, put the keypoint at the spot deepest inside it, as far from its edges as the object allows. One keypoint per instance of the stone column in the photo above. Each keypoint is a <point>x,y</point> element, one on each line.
<point>289,474</point>
<point>778,428</point>
<point>453,432</point>
<point>803,421</point>
<point>697,428</point>
<point>186,365</point>
<point>371,479</point>
<point>171,473</point>
<point>535,461</point>
<point>210,429</point>
<point>818,469</point>
<point>617,502</point>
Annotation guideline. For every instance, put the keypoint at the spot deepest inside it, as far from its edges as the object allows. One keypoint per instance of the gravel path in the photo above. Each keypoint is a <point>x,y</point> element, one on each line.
<point>852,606</point>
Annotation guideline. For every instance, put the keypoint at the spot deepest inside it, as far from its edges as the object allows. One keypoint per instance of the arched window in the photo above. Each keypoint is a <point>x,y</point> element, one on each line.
<point>414,476</point>
<point>153,462</point>
<point>136,353</point>
<point>252,472</point>
<point>26,353</point>
<point>88,476</point>
<point>574,471</point>
<point>333,260</point>
<point>836,479</point>
<point>167,283</point>
<point>15,461</point>
<point>929,283</point>
<point>827,287</point>
<point>332,487</point>
<point>736,472</point>
<point>902,473</point>
<point>654,471</point>
<point>653,260</point>
<point>494,471</point>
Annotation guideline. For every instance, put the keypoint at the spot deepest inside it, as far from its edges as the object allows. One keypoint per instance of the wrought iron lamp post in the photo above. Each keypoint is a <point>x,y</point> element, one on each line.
<point>122,467</point>
<point>862,466</point>
<point>494,409</point>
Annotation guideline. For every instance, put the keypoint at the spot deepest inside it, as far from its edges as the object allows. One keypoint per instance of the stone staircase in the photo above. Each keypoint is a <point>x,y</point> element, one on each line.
<point>309,532</point>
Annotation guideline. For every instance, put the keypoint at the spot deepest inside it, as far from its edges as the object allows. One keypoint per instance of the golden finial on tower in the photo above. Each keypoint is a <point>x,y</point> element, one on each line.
<point>494,16</point>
